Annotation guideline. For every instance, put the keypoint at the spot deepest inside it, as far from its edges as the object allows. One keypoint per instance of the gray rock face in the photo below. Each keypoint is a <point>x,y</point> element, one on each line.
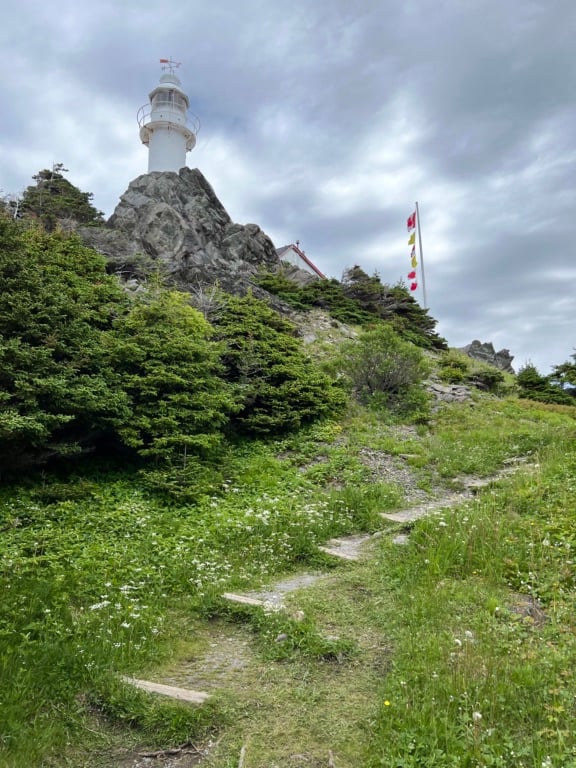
<point>175,220</point>
<point>485,353</point>
<point>449,393</point>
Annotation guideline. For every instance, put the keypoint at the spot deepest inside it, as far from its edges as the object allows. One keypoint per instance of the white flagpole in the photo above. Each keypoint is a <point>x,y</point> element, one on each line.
<point>421,256</point>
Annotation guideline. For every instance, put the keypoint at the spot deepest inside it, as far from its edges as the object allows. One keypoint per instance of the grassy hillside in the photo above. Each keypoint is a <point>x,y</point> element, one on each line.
<point>156,456</point>
<point>456,648</point>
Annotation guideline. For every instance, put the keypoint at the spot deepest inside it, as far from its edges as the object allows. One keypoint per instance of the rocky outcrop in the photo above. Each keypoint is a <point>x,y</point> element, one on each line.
<point>448,393</point>
<point>176,221</point>
<point>317,325</point>
<point>485,353</point>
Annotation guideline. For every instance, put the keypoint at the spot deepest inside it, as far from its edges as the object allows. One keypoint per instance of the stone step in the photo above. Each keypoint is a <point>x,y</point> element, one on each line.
<point>182,694</point>
<point>242,599</point>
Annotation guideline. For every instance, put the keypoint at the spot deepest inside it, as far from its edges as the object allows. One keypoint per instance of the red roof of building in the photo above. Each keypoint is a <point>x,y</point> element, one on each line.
<point>302,255</point>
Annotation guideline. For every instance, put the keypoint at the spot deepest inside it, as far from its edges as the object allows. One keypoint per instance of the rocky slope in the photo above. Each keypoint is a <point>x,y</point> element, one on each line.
<point>176,221</point>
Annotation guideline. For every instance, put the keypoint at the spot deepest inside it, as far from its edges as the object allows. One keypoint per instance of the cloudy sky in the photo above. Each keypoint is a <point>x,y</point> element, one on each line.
<point>323,121</point>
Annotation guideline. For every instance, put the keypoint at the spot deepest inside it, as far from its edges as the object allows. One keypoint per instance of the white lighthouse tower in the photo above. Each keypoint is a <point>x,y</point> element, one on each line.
<point>165,127</point>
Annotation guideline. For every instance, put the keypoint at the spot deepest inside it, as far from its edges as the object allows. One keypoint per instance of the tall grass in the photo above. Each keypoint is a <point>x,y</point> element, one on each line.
<point>99,579</point>
<point>485,648</point>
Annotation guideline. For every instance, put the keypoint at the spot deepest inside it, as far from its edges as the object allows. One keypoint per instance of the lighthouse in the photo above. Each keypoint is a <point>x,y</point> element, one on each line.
<point>165,126</point>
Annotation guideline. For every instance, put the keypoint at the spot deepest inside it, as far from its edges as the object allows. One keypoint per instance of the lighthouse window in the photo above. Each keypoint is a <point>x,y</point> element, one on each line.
<point>169,98</point>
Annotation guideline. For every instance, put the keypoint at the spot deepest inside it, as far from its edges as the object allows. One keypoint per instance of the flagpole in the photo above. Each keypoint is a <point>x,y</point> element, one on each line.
<point>421,256</point>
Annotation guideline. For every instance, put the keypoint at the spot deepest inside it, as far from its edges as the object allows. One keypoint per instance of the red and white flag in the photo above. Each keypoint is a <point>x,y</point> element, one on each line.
<point>411,221</point>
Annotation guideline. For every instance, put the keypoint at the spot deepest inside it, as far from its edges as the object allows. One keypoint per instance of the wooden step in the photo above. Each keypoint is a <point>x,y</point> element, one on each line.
<point>182,694</point>
<point>338,553</point>
<point>397,517</point>
<point>242,599</point>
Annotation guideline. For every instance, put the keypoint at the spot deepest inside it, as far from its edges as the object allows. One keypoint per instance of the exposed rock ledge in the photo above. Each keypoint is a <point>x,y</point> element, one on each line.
<point>176,221</point>
<point>485,353</point>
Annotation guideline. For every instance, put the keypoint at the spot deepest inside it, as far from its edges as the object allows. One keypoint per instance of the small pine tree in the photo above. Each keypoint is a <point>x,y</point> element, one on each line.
<point>565,374</point>
<point>171,372</point>
<point>54,199</point>
<point>534,386</point>
<point>279,387</point>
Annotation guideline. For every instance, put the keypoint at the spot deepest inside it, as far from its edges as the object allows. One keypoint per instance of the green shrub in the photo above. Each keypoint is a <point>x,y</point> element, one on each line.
<point>534,386</point>
<point>171,372</point>
<point>54,199</point>
<point>453,367</point>
<point>382,369</point>
<point>57,306</point>
<point>360,299</point>
<point>486,378</point>
<point>277,385</point>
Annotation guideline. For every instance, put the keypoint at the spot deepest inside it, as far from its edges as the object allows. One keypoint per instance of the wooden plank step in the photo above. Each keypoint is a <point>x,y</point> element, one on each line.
<point>338,553</point>
<point>396,517</point>
<point>243,599</point>
<point>182,694</point>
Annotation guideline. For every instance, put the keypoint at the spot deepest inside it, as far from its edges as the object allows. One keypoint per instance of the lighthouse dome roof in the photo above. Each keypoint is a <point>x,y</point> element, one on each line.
<point>169,82</point>
<point>170,77</point>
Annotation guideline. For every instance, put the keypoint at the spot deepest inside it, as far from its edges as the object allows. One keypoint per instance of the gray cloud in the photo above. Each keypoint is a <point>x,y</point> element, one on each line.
<point>324,121</point>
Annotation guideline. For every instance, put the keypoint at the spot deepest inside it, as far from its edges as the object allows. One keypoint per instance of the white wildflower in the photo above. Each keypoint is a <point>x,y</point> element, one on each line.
<point>97,606</point>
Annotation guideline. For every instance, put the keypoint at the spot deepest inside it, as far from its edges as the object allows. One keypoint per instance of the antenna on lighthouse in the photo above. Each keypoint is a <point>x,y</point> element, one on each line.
<point>165,126</point>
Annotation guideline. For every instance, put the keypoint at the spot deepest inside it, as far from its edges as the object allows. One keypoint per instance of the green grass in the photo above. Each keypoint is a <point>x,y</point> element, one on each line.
<point>474,615</point>
<point>477,438</point>
<point>486,647</point>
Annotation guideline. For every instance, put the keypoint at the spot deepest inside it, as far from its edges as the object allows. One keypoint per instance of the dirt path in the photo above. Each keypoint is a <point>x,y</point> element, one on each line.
<point>224,658</point>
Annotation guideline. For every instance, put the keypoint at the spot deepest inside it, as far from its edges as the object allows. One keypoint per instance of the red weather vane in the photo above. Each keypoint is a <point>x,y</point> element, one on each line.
<point>170,65</point>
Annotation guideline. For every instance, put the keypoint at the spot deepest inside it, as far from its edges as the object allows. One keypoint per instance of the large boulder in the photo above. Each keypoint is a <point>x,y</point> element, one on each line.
<point>175,221</point>
<point>484,351</point>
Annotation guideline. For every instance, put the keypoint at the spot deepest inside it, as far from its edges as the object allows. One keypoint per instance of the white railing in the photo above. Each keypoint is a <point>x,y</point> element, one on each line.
<point>191,122</point>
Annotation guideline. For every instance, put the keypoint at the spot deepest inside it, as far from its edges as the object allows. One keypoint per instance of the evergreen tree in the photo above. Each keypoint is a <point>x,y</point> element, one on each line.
<point>565,374</point>
<point>279,387</point>
<point>171,372</point>
<point>361,299</point>
<point>367,291</point>
<point>534,386</point>
<point>56,306</point>
<point>412,321</point>
<point>54,199</point>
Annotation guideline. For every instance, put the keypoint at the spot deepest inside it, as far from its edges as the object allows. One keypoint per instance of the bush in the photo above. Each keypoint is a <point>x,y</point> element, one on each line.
<point>453,367</point>
<point>55,200</point>
<point>383,369</point>
<point>360,299</point>
<point>486,378</point>
<point>57,307</point>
